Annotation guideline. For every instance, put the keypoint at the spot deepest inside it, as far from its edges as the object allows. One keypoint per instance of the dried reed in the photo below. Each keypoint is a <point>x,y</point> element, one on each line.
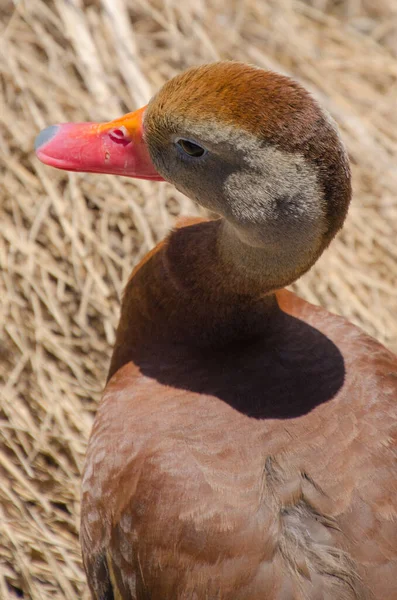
<point>68,242</point>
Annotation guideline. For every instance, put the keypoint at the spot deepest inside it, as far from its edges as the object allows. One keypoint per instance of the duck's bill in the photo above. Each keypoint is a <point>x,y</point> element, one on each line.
<point>116,148</point>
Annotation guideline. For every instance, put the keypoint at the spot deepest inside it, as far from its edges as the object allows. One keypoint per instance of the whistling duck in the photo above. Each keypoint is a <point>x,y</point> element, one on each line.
<point>245,445</point>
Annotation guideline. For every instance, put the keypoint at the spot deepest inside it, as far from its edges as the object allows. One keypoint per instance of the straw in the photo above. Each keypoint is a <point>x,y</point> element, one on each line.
<point>68,242</point>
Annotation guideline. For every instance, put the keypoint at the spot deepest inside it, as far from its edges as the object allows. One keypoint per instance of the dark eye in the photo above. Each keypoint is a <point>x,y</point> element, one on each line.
<point>191,148</point>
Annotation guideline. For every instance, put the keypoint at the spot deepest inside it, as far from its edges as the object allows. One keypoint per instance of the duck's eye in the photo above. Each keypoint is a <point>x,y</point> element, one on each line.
<point>191,148</point>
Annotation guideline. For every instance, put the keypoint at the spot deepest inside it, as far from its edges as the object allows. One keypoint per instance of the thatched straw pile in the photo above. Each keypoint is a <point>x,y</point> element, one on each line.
<point>68,242</point>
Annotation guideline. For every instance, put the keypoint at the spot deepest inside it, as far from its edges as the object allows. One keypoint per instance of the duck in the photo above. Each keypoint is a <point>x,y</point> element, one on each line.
<point>245,444</point>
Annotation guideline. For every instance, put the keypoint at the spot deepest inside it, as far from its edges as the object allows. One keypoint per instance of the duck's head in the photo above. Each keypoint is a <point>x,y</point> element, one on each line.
<point>249,144</point>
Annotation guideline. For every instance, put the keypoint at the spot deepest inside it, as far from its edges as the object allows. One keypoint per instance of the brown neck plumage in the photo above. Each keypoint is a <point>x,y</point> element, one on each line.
<point>186,293</point>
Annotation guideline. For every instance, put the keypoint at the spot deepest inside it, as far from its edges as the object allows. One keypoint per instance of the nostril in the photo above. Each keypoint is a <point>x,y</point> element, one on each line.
<point>45,136</point>
<point>120,136</point>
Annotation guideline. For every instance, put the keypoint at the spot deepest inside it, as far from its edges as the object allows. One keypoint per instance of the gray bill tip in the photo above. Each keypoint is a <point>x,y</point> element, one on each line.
<point>45,136</point>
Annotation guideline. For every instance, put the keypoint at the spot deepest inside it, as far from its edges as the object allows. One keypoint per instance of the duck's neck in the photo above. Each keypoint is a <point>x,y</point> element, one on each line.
<point>201,287</point>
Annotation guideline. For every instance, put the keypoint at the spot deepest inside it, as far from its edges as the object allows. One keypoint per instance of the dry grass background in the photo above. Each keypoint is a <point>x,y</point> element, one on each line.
<point>68,242</point>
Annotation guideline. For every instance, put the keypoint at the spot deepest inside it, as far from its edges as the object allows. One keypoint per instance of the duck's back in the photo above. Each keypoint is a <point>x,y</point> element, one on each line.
<point>264,470</point>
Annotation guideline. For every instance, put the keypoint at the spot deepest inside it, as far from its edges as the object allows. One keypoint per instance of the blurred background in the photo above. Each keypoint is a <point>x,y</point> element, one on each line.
<point>68,241</point>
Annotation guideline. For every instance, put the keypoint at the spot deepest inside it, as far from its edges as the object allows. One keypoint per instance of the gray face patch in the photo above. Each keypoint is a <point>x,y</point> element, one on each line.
<point>249,183</point>
<point>271,199</point>
<point>275,197</point>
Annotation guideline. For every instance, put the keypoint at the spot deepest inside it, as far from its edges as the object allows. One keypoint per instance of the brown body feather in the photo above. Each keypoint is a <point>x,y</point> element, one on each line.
<point>260,469</point>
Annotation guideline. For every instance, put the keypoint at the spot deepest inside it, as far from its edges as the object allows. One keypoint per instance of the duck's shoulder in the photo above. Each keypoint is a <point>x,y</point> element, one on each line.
<point>358,348</point>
